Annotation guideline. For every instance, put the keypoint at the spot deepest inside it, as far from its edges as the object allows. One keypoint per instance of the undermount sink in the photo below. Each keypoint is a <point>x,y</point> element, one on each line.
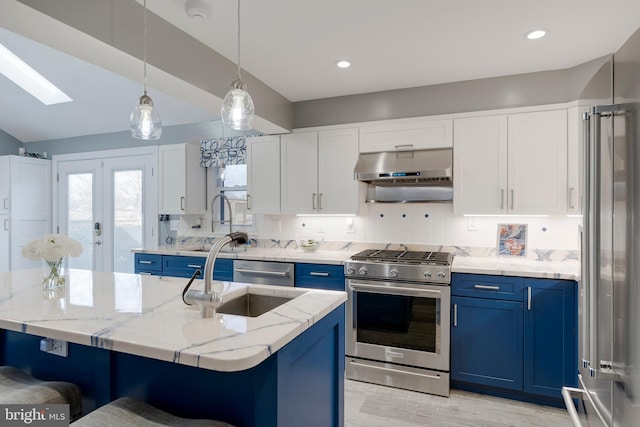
<point>252,305</point>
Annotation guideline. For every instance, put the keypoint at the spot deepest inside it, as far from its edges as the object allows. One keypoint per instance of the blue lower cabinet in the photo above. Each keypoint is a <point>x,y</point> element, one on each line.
<point>181,266</point>
<point>550,347</point>
<point>486,342</point>
<point>320,276</point>
<point>514,337</point>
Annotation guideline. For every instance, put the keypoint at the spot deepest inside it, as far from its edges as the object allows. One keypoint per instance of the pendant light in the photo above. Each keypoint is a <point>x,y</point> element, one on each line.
<point>237,107</point>
<point>145,121</point>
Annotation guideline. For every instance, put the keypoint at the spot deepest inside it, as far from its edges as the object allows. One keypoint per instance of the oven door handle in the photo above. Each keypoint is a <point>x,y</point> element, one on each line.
<point>394,290</point>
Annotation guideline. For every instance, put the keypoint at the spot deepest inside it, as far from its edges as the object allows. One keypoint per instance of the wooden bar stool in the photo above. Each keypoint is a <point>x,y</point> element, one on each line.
<point>18,387</point>
<point>127,411</point>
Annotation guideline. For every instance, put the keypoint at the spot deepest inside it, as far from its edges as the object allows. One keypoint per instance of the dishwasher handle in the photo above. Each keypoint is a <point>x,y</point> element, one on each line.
<point>262,272</point>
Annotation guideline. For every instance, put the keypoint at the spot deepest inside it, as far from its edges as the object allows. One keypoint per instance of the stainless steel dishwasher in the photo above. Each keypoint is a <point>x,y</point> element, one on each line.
<point>263,272</point>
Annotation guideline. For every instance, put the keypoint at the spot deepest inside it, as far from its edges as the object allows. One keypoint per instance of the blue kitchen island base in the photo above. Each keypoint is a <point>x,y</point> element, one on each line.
<point>302,384</point>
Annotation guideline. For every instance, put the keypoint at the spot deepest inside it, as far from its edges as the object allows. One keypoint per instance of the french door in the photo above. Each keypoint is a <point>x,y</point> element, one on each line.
<point>108,202</point>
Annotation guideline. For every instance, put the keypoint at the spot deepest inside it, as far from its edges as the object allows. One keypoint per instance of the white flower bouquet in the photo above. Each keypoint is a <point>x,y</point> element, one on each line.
<point>52,248</point>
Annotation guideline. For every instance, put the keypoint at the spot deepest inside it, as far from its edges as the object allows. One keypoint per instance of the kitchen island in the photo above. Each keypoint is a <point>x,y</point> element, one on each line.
<point>131,335</point>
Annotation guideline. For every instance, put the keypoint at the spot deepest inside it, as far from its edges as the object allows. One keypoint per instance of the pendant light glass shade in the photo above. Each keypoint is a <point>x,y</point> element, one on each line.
<point>145,121</point>
<point>237,109</point>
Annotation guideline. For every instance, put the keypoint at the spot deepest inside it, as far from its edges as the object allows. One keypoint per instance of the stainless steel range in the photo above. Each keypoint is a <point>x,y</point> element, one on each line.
<point>398,319</point>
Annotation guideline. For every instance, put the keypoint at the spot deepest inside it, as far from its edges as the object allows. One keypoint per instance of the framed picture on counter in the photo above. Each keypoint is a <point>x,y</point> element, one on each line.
<point>512,239</point>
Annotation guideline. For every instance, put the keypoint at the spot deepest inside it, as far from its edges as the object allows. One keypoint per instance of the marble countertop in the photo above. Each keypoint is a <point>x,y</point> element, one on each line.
<point>505,266</point>
<point>261,254</point>
<point>145,316</point>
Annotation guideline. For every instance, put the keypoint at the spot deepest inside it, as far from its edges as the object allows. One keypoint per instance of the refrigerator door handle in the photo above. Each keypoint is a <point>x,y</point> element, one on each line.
<point>597,368</point>
<point>594,242</point>
<point>585,242</point>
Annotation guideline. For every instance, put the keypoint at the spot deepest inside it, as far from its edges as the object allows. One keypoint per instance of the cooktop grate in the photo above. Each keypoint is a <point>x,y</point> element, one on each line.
<point>406,257</point>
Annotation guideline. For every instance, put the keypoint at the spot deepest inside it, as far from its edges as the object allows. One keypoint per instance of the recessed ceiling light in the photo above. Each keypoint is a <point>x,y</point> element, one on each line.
<point>536,34</point>
<point>343,64</point>
<point>16,70</point>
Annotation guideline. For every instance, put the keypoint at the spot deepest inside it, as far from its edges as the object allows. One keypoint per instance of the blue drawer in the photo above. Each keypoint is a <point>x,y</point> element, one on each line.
<point>320,276</point>
<point>485,286</point>
<point>148,264</point>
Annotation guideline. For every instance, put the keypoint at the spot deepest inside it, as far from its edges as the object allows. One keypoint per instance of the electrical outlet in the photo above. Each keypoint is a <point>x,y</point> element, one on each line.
<point>51,346</point>
<point>174,224</point>
<point>472,224</point>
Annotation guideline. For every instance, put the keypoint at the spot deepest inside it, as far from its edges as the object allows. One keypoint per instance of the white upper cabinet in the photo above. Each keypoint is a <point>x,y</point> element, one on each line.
<point>480,165</point>
<point>4,185</point>
<point>511,164</point>
<point>263,175</point>
<point>182,180</point>
<point>317,172</point>
<point>575,143</point>
<point>538,162</point>
<point>418,134</point>
<point>337,156</point>
<point>299,173</point>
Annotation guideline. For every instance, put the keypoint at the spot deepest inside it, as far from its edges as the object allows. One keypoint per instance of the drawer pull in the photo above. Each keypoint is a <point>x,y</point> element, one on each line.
<point>144,273</point>
<point>145,262</point>
<point>194,266</point>
<point>487,287</point>
<point>319,273</point>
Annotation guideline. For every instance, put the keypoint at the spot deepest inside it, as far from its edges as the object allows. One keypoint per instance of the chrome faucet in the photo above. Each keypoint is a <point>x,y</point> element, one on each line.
<point>207,300</point>
<point>225,198</point>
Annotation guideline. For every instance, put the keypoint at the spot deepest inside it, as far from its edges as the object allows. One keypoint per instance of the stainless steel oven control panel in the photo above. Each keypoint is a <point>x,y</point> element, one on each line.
<point>422,273</point>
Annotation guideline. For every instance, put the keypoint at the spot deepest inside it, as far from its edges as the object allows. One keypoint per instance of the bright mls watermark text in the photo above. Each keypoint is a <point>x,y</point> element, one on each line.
<point>55,415</point>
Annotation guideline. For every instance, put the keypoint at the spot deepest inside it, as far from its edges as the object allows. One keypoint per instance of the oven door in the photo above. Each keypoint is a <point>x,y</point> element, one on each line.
<point>402,323</point>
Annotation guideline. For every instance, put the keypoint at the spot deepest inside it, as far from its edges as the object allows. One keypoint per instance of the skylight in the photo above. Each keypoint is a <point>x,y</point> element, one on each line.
<point>16,70</point>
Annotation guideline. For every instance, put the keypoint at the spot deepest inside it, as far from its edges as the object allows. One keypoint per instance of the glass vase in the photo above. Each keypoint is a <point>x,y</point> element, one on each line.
<point>53,273</point>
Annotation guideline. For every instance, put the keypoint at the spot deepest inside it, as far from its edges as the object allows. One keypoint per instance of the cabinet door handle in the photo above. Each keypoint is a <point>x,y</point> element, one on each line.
<point>512,197</point>
<point>455,314</point>
<point>182,203</point>
<point>404,147</point>
<point>571,206</point>
<point>248,202</point>
<point>320,201</point>
<point>529,298</point>
<point>194,266</point>
<point>502,198</point>
<point>145,262</point>
<point>6,223</point>
<point>4,203</point>
<point>487,287</point>
<point>319,273</point>
<point>313,201</point>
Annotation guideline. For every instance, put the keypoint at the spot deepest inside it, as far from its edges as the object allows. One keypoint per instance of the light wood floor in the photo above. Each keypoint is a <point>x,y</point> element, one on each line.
<point>370,405</point>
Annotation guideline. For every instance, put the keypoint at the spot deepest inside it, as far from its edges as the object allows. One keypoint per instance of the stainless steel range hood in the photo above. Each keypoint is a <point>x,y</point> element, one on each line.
<point>407,176</point>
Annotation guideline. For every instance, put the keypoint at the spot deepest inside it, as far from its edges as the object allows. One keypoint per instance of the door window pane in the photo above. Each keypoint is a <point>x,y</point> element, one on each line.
<point>127,218</point>
<point>80,217</point>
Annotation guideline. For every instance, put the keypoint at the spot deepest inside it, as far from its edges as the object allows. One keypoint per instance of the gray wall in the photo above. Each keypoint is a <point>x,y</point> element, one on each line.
<point>109,141</point>
<point>547,87</point>
<point>8,144</point>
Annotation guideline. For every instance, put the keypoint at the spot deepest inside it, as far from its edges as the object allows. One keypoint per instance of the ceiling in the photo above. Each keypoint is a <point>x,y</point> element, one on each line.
<point>292,46</point>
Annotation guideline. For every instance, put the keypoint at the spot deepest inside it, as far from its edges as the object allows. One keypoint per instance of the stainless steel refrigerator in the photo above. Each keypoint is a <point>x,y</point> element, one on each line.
<point>609,310</point>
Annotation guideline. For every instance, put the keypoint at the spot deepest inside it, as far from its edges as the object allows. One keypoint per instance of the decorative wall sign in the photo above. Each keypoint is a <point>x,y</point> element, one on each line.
<point>512,239</point>
<point>230,151</point>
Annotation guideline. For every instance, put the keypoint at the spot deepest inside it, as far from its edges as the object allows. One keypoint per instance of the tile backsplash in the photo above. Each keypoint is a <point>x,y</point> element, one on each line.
<point>426,224</point>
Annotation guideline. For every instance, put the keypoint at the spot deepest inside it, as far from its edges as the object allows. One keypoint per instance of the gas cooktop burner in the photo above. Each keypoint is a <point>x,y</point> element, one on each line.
<point>404,257</point>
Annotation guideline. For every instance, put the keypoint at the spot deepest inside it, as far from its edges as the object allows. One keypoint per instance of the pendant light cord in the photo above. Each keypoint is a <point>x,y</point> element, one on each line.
<point>238,40</point>
<point>144,44</point>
